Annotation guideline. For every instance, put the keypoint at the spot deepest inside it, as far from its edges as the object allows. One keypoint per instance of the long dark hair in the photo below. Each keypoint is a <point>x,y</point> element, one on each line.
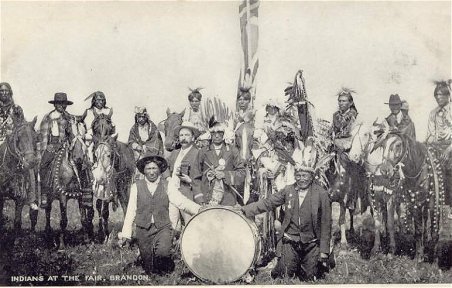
<point>443,87</point>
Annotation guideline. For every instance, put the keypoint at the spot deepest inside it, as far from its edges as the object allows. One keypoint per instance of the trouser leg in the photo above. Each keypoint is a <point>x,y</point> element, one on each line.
<point>155,245</point>
<point>310,254</point>
<point>288,263</point>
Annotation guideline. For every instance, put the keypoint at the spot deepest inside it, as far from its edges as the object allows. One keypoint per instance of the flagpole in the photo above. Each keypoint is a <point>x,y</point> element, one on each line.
<point>248,43</point>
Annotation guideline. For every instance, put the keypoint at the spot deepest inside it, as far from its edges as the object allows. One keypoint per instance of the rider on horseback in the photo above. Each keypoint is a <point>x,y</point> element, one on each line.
<point>398,120</point>
<point>55,134</point>
<point>98,107</point>
<point>12,114</point>
<point>345,121</point>
<point>439,133</point>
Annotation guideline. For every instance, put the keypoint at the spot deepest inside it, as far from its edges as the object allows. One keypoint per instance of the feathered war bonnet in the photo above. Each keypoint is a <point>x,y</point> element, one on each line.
<point>443,86</point>
<point>305,158</point>
<point>216,126</point>
<point>195,94</point>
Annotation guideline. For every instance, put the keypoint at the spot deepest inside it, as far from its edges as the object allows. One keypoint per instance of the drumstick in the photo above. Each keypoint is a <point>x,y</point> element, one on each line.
<point>230,186</point>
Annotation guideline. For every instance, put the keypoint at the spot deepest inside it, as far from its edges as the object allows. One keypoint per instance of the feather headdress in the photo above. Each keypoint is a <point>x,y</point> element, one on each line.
<point>345,91</point>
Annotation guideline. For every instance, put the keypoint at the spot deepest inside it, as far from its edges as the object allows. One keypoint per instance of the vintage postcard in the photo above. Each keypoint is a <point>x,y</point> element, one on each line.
<point>225,142</point>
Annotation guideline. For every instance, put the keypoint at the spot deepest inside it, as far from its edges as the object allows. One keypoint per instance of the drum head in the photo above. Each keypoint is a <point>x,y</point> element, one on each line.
<point>218,245</point>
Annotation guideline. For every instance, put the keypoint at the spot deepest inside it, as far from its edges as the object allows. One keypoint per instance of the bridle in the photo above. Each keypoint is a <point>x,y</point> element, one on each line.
<point>13,150</point>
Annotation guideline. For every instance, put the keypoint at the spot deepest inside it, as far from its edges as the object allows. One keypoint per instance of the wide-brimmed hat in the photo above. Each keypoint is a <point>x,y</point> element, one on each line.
<point>190,126</point>
<point>394,99</point>
<point>60,98</point>
<point>159,160</point>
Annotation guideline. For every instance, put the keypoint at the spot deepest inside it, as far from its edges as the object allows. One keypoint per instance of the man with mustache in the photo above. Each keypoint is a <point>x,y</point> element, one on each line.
<point>184,168</point>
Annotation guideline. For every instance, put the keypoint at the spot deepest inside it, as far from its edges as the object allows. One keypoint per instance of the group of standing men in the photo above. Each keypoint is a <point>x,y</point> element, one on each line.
<point>215,173</point>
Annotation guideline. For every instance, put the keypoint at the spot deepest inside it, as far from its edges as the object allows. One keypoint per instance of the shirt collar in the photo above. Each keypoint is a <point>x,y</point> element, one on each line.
<point>152,183</point>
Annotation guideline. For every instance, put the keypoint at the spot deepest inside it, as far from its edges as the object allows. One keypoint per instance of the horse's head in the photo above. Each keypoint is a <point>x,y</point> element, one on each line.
<point>78,147</point>
<point>173,120</point>
<point>22,143</point>
<point>102,127</point>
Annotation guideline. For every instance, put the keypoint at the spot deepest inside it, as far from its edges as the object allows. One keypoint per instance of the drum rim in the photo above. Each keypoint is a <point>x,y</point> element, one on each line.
<point>182,236</point>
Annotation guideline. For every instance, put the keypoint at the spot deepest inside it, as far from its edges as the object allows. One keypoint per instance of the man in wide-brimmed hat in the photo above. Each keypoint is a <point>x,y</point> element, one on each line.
<point>184,167</point>
<point>144,138</point>
<point>55,134</point>
<point>149,202</point>
<point>222,168</point>
<point>306,227</point>
<point>397,120</point>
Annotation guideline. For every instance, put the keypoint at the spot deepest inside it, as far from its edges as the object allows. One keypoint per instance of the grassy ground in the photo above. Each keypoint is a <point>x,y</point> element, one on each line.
<point>33,255</point>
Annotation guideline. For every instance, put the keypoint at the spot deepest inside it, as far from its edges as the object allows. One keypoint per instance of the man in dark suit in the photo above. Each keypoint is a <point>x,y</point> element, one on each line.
<point>222,168</point>
<point>183,167</point>
<point>306,227</point>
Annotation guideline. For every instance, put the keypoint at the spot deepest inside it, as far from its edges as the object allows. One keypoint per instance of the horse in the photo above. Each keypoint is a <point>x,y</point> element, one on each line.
<point>17,170</point>
<point>400,175</point>
<point>71,179</point>
<point>113,171</point>
<point>347,187</point>
<point>173,119</point>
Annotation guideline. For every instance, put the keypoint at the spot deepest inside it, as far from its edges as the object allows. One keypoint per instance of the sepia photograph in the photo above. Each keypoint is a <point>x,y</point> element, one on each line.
<point>246,142</point>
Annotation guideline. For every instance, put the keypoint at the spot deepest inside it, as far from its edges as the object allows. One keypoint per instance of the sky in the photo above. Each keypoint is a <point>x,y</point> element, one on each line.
<point>148,54</point>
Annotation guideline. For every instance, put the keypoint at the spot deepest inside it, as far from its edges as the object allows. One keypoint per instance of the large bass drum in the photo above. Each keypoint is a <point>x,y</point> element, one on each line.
<point>220,245</point>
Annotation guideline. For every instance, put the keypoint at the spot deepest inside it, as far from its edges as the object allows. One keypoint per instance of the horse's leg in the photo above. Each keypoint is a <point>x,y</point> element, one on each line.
<point>390,225</point>
<point>33,218</point>
<point>63,220</point>
<point>342,225</point>
<point>105,216</point>
<point>99,213</point>
<point>2,220</point>
<point>18,216</point>
<point>418,236</point>
<point>352,228</point>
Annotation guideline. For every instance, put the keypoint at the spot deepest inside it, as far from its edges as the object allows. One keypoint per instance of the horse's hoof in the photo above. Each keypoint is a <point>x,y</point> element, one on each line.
<point>343,246</point>
<point>375,251</point>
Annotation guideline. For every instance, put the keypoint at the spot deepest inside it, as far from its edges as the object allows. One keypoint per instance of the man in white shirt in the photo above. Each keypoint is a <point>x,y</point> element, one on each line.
<point>148,206</point>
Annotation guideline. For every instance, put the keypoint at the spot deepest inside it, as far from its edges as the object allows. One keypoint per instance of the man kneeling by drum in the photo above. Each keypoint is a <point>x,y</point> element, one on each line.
<point>148,206</point>
<point>306,225</point>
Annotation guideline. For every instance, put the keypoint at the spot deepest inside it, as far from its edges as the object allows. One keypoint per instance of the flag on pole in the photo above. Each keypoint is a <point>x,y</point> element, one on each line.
<point>249,27</point>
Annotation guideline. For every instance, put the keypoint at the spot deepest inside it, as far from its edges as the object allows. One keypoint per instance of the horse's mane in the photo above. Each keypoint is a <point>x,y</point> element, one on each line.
<point>415,155</point>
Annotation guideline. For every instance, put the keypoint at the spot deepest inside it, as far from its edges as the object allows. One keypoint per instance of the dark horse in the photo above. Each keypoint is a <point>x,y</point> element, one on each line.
<point>113,171</point>
<point>18,159</point>
<point>173,119</point>
<point>401,175</point>
<point>72,180</point>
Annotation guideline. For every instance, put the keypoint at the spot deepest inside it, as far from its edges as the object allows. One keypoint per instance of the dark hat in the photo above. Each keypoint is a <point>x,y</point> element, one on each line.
<point>190,126</point>
<point>60,98</point>
<point>160,161</point>
<point>394,99</point>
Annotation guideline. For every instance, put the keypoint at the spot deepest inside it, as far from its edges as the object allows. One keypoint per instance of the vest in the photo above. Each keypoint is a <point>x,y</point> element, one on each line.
<point>301,225</point>
<point>149,206</point>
